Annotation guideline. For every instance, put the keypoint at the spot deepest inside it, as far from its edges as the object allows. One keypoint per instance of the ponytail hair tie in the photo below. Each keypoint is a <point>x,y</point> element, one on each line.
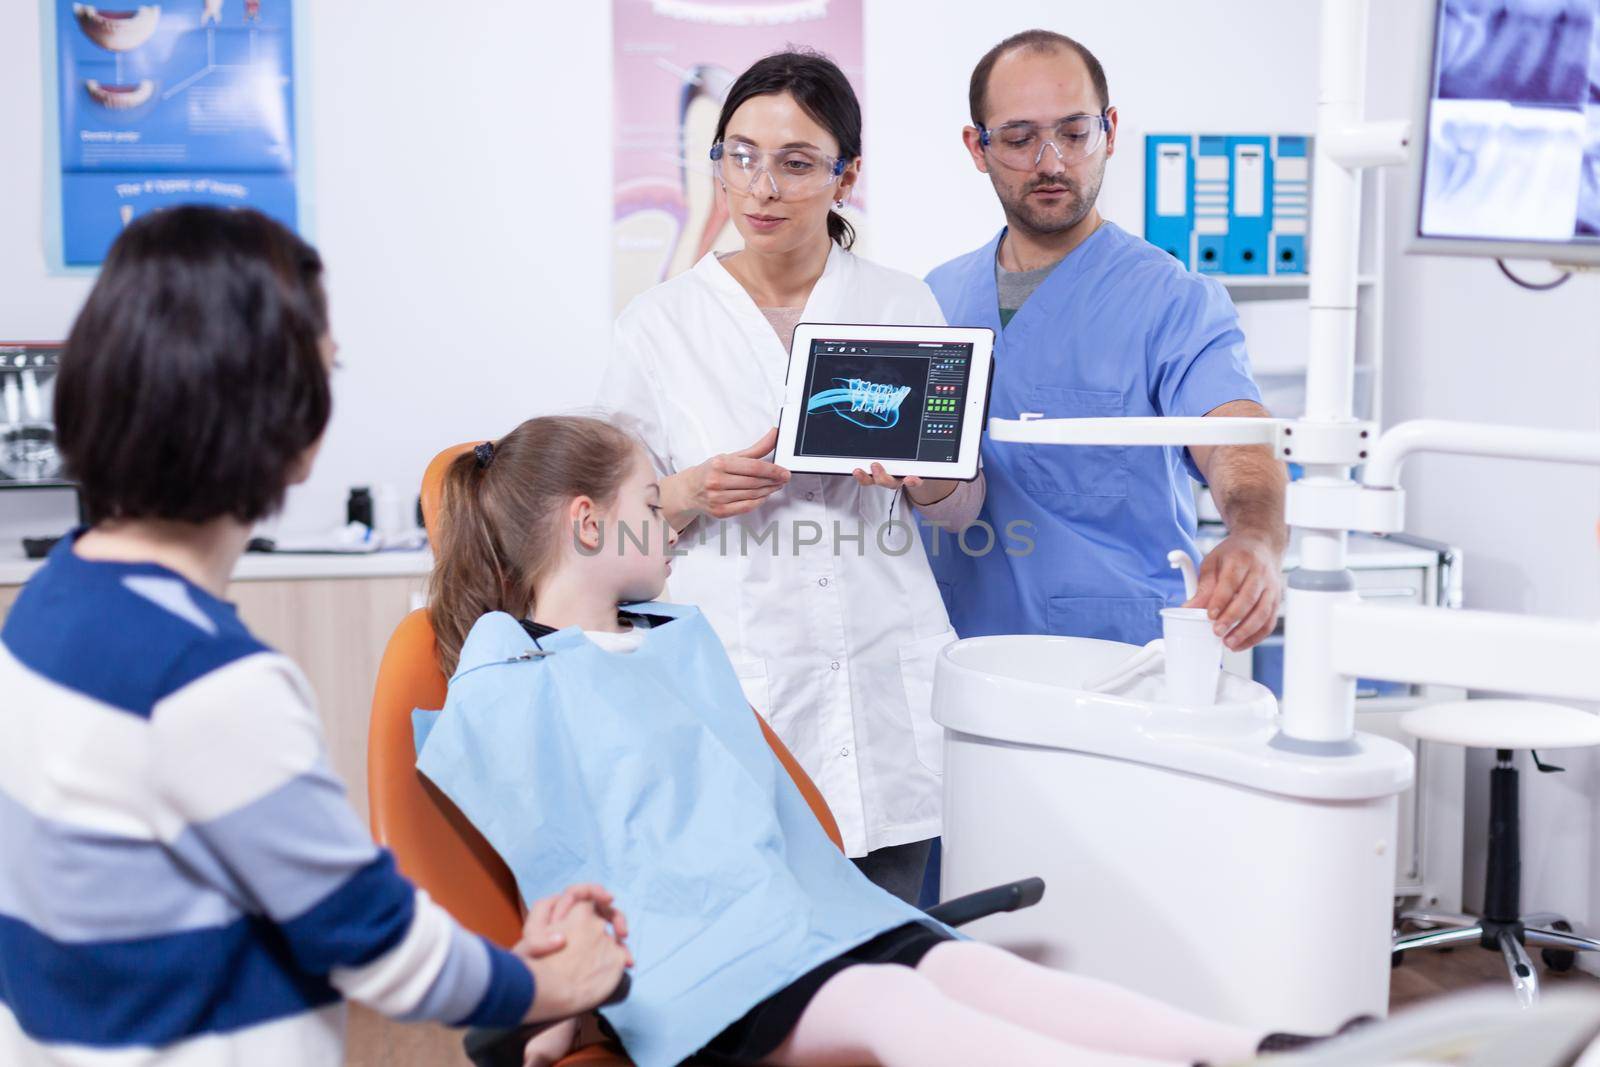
<point>484,454</point>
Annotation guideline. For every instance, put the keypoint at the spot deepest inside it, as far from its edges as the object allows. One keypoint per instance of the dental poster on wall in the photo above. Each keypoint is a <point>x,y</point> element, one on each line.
<point>186,101</point>
<point>674,63</point>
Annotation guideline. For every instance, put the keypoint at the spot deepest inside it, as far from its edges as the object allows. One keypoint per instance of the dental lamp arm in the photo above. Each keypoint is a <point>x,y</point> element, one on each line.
<point>1176,431</point>
<point>1240,585</point>
<point>1475,439</point>
<point>1499,651</point>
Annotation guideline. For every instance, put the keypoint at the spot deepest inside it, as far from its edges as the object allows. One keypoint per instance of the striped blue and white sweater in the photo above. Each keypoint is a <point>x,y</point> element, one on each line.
<point>182,880</point>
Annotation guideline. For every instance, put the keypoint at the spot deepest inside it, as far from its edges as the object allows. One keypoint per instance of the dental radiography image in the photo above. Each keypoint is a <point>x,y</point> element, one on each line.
<point>27,435</point>
<point>1589,184</point>
<point>867,406</point>
<point>1522,51</point>
<point>1498,171</point>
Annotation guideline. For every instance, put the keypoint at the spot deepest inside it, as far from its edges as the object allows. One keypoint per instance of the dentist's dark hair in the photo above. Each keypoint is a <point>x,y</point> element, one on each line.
<point>822,91</point>
<point>1038,41</point>
<point>500,524</point>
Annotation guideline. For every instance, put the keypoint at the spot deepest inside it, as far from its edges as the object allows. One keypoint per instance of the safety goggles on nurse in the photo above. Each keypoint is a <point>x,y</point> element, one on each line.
<point>1023,145</point>
<point>793,172</point>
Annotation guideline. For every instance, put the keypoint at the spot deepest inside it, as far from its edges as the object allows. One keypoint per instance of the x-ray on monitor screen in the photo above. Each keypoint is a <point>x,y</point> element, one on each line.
<point>1510,159</point>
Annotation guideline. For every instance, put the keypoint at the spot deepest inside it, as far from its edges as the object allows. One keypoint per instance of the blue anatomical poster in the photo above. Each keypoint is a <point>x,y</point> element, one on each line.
<point>186,101</point>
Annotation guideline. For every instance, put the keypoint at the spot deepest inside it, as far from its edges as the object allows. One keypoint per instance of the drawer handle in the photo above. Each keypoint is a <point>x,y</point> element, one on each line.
<point>1394,593</point>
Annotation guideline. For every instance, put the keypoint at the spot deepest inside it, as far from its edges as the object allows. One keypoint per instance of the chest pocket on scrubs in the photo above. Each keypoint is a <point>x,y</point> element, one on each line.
<point>1086,481</point>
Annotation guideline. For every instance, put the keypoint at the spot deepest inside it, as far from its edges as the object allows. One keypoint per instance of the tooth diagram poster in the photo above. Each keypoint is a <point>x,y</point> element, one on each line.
<point>185,101</point>
<point>674,61</point>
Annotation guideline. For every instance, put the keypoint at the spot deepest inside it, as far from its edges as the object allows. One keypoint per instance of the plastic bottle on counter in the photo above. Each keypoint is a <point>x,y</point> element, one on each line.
<point>358,506</point>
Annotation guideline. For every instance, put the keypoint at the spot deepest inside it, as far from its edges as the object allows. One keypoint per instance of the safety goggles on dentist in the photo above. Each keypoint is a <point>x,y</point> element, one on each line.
<point>793,173</point>
<point>1022,145</point>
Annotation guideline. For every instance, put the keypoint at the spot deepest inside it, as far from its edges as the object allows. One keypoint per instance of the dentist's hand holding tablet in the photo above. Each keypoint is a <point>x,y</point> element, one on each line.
<point>724,486</point>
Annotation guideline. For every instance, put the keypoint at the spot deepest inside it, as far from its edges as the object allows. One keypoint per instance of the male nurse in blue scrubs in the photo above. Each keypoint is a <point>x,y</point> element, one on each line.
<point>1092,321</point>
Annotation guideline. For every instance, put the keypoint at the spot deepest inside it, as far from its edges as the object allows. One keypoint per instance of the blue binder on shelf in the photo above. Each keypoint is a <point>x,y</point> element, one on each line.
<point>1211,186</point>
<point>1249,205</point>
<point>1231,204</point>
<point>1291,204</point>
<point>1169,195</point>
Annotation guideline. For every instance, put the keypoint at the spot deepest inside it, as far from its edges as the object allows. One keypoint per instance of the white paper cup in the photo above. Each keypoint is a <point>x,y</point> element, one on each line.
<point>1194,656</point>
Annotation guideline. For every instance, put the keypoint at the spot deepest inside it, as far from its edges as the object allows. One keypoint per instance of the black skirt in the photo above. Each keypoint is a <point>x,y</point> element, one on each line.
<point>764,1027</point>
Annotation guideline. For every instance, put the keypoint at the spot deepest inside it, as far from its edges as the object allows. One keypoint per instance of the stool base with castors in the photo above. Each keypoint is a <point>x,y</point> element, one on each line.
<point>1503,725</point>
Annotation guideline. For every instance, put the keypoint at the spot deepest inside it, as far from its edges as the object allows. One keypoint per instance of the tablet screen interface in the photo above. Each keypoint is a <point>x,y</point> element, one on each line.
<point>885,400</point>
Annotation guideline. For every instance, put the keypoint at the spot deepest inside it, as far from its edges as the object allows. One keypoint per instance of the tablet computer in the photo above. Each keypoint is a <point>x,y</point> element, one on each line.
<point>913,398</point>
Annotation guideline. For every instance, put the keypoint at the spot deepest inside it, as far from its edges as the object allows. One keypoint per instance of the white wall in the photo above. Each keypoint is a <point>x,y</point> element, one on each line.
<point>929,203</point>
<point>466,233</point>
<point>467,240</point>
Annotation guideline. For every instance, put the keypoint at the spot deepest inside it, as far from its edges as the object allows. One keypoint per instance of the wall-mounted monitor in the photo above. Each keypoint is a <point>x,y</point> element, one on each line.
<point>1508,156</point>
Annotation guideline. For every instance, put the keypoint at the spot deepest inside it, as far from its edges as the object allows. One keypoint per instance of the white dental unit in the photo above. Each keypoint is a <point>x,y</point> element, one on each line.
<point>1237,859</point>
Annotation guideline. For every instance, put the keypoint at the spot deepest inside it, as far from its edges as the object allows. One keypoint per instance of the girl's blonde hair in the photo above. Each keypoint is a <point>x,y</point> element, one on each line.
<point>500,522</point>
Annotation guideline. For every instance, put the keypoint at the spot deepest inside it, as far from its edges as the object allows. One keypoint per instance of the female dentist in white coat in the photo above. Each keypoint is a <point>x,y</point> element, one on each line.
<point>819,589</point>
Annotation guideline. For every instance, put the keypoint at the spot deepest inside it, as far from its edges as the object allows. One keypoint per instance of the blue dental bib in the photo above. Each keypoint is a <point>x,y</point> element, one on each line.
<point>647,772</point>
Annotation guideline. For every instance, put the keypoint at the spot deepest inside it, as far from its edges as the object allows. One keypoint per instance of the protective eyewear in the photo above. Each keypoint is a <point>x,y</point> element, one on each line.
<point>791,172</point>
<point>1021,145</point>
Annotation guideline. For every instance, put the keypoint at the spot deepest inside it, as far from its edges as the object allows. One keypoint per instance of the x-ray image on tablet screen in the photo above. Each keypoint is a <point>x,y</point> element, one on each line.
<point>909,397</point>
<point>885,400</point>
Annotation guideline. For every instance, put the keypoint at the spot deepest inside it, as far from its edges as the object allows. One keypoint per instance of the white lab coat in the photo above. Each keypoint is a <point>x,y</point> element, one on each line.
<point>835,647</point>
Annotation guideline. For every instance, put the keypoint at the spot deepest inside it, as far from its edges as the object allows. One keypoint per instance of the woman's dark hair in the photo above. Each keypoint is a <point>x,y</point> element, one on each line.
<point>194,376</point>
<point>822,91</point>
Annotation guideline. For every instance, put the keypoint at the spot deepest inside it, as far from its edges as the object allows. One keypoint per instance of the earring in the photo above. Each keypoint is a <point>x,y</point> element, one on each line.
<point>838,203</point>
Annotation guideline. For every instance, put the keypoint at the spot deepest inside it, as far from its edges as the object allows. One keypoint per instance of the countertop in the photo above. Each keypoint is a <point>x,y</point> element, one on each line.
<point>16,569</point>
<point>1366,552</point>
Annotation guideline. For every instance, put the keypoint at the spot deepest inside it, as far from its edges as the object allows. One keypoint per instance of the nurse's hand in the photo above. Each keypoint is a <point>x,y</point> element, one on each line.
<point>1240,587</point>
<point>922,491</point>
<point>724,486</point>
<point>584,973</point>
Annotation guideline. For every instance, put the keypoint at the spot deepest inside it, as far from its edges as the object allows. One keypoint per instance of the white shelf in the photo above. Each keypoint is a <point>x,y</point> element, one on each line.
<point>1277,281</point>
<point>1277,286</point>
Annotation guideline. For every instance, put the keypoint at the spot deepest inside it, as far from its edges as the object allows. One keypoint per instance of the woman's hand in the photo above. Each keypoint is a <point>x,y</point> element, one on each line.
<point>724,486</point>
<point>574,945</point>
<point>582,975</point>
<point>542,931</point>
<point>922,491</point>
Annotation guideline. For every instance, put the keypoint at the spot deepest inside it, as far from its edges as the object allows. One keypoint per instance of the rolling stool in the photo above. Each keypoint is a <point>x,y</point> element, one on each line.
<point>1503,725</point>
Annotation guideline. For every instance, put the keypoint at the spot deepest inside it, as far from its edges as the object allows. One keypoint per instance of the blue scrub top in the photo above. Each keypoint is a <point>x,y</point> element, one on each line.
<point>1118,328</point>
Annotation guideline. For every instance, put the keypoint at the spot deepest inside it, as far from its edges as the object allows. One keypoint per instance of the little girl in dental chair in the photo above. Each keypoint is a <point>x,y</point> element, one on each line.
<point>594,735</point>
